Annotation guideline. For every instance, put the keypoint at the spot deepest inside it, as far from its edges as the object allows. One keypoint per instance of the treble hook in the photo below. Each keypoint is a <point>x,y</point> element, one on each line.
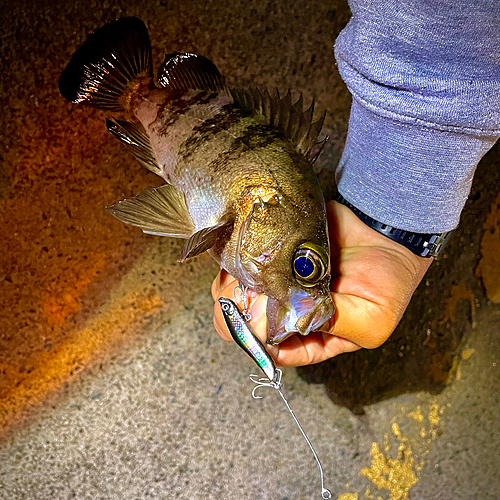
<point>244,298</point>
<point>265,382</point>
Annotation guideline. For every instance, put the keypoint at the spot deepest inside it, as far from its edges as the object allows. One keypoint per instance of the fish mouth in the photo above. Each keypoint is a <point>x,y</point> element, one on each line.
<point>302,312</point>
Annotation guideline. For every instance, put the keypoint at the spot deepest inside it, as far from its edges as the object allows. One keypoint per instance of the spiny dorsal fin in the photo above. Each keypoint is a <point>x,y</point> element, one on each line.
<point>204,239</point>
<point>161,211</point>
<point>181,72</point>
<point>101,70</point>
<point>135,137</point>
<point>290,119</point>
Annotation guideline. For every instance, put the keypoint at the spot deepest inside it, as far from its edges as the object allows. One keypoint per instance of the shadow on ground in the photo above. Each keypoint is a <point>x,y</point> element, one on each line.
<point>421,355</point>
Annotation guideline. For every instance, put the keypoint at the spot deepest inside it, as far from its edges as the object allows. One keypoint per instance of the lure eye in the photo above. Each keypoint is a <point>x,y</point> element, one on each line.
<point>309,263</point>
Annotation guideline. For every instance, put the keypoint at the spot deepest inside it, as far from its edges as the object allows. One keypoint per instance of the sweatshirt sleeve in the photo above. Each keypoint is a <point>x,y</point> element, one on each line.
<point>425,80</point>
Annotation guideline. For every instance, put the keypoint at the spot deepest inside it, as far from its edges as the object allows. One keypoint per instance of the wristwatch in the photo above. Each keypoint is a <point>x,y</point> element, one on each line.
<point>421,244</point>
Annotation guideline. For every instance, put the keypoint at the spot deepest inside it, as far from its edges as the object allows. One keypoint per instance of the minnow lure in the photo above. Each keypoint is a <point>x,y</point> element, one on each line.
<point>243,335</point>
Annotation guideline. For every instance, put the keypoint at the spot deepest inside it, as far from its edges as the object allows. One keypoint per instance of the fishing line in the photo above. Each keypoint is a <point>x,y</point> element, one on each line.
<point>237,323</point>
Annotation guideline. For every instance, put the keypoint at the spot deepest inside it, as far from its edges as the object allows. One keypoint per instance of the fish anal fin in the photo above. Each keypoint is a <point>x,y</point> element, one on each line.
<point>181,72</point>
<point>135,137</point>
<point>161,211</point>
<point>204,239</point>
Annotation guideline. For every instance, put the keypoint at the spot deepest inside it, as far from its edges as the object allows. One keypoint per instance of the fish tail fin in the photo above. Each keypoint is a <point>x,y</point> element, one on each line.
<point>102,70</point>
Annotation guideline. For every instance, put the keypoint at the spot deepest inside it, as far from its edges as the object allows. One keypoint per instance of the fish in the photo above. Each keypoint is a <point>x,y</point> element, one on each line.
<point>237,166</point>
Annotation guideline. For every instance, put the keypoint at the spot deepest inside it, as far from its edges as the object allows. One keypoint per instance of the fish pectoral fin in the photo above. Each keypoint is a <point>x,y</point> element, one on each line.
<point>160,211</point>
<point>181,72</point>
<point>204,239</point>
<point>135,137</point>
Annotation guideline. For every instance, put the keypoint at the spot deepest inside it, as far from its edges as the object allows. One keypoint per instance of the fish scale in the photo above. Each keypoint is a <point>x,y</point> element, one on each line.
<point>238,167</point>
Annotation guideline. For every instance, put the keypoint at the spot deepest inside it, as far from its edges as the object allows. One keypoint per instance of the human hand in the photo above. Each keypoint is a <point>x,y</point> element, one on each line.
<point>373,280</point>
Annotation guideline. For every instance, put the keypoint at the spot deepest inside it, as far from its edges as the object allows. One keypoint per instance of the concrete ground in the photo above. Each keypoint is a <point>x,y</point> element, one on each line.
<point>113,382</point>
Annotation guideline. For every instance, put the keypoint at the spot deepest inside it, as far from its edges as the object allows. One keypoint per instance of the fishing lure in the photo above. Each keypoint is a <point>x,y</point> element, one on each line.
<point>237,323</point>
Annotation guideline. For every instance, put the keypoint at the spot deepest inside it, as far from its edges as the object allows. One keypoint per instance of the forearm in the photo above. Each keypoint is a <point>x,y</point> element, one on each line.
<point>425,80</point>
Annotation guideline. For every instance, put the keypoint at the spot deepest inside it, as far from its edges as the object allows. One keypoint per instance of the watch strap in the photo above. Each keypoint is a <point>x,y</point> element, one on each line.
<point>421,244</point>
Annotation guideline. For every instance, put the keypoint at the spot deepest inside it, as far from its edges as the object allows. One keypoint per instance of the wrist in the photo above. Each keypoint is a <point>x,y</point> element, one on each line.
<point>421,244</point>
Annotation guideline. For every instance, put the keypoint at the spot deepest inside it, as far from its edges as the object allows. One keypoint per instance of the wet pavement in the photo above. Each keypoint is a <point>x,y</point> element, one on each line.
<point>113,382</point>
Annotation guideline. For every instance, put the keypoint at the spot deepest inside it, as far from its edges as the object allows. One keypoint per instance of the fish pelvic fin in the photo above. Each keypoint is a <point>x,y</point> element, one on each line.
<point>290,119</point>
<point>205,239</point>
<point>102,70</point>
<point>181,72</point>
<point>160,211</point>
<point>135,137</point>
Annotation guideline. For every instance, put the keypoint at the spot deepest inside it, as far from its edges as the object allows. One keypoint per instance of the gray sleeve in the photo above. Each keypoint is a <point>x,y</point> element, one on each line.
<point>425,80</point>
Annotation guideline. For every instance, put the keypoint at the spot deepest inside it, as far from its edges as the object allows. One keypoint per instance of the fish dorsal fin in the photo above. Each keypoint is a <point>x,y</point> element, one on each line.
<point>205,239</point>
<point>290,119</point>
<point>181,72</point>
<point>161,211</point>
<point>135,137</point>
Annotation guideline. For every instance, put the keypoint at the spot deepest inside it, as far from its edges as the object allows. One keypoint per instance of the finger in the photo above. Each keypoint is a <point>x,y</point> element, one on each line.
<point>218,290</point>
<point>313,348</point>
<point>373,279</point>
<point>295,351</point>
<point>364,323</point>
<point>221,281</point>
<point>370,294</point>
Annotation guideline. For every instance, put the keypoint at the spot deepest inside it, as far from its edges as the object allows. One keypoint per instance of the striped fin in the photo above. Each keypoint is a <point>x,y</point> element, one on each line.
<point>181,72</point>
<point>160,211</point>
<point>290,119</point>
<point>102,70</point>
<point>205,239</point>
<point>135,137</point>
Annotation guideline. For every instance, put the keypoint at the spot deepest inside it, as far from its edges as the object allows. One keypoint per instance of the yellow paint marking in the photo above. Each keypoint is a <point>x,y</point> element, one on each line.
<point>395,475</point>
<point>397,432</point>
<point>454,371</point>
<point>387,446</point>
<point>417,415</point>
<point>489,265</point>
<point>457,293</point>
<point>467,353</point>
<point>368,493</point>
<point>433,415</point>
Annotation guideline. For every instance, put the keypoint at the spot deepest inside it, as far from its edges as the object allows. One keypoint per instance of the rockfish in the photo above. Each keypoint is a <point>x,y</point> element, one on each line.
<point>237,166</point>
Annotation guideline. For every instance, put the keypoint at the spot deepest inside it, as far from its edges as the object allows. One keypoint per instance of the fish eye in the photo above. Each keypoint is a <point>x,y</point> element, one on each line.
<point>310,263</point>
